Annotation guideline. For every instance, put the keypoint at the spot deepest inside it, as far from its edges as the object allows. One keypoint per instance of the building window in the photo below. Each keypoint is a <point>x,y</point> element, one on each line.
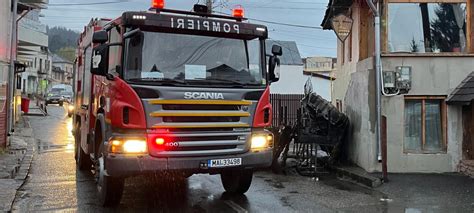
<point>427,27</point>
<point>425,124</point>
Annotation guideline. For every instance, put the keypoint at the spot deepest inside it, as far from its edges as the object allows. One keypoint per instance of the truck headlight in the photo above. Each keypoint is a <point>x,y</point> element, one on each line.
<point>128,146</point>
<point>261,141</point>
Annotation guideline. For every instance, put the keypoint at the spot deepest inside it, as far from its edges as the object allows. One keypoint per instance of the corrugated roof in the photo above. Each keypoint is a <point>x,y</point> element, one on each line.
<point>291,54</point>
<point>464,93</point>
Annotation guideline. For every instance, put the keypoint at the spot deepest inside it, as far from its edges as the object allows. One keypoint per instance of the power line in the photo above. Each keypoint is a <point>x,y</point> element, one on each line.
<point>289,8</point>
<point>286,24</point>
<point>92,3</point>
<point>280,23</point>
<point>300,35</point>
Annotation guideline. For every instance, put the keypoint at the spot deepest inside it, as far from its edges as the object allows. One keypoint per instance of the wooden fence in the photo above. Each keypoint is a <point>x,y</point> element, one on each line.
<point>285,108</point>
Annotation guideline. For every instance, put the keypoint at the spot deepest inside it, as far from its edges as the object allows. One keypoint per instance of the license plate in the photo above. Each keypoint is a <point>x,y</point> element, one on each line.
<point>224,162</point>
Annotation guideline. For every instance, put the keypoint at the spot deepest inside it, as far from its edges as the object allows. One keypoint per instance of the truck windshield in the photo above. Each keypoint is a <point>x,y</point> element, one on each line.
<point>154,57</point>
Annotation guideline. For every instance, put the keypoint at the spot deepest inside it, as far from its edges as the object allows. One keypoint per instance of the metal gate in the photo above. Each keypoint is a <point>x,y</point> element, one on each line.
<point>285,108</point>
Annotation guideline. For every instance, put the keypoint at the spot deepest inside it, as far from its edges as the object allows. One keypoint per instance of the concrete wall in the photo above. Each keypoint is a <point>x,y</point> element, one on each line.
<point>358,105</point>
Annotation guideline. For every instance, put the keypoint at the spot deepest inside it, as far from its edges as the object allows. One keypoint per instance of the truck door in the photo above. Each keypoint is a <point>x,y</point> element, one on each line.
<point>86,98</point>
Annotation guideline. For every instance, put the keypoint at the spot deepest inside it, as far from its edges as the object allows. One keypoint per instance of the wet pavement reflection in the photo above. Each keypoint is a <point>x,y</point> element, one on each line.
<point>54,184</point>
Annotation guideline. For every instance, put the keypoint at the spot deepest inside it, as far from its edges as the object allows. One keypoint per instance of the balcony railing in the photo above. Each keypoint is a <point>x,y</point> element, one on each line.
<point>42,71</point>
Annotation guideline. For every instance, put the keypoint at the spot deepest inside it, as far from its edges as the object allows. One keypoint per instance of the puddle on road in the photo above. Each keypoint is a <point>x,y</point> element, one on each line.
<point>50,146</point>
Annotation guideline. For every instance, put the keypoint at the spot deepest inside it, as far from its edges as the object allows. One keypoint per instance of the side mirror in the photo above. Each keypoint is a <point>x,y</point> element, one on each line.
<point>100,60</point>
<point>100,37</point>
<point>274,68</point>
<point>276,50</point>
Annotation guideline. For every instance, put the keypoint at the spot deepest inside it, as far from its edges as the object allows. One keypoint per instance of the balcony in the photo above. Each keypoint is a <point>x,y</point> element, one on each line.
<point>42,72</point>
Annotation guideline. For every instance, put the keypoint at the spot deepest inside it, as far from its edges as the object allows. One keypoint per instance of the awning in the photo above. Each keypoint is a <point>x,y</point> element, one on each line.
<point>35,4</point>
<point>464,93</point>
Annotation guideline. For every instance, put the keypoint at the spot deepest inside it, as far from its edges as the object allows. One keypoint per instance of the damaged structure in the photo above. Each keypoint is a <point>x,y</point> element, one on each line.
<point>427,50</point>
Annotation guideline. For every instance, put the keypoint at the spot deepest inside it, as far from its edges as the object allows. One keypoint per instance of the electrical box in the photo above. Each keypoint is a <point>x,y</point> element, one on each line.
<point>403,74</point>
<point>389,79</point>
<point>398,81</point>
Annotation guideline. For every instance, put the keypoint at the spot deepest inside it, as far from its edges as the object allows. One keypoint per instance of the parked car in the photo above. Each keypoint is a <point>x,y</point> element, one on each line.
<point>55,98</point>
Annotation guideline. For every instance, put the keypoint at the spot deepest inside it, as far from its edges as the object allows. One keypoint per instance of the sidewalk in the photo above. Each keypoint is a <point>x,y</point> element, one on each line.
<point>15,162</point>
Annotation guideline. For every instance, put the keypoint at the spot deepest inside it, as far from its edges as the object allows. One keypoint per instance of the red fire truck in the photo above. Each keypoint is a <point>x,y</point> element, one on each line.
<point>173,92</point>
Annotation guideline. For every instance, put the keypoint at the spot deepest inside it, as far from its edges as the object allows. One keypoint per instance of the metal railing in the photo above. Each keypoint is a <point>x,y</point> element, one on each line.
<point>285,108</point>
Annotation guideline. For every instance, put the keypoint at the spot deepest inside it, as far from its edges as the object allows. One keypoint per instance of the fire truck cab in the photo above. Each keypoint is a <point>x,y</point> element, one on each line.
<point>173,92</point>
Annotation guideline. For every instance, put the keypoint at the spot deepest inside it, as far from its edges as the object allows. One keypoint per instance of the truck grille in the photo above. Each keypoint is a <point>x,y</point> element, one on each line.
<point>202,127</point>
<point>200,107</point>
<point>201,119</point>
<point>198,114</point>
<point>205,144</point>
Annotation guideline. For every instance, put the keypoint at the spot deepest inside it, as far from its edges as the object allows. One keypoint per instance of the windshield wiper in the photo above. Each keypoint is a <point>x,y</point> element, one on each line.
<point>159,80</point>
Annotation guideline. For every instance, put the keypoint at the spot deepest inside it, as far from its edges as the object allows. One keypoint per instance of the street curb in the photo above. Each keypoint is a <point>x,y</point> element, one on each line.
<point>25,164</point>
<point>358,175</point>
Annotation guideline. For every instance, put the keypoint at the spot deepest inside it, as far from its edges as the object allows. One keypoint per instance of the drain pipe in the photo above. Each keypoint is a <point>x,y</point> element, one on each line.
<point>378,75</point>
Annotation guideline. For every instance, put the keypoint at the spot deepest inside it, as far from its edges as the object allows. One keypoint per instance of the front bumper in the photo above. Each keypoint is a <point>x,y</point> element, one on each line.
<point>54,100</point>
<point>122,165</point>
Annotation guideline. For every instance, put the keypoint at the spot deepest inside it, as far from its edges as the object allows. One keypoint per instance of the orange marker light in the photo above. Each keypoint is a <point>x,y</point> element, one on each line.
<point>160,141</point>
<point>238,12</point>
<point>158,4</point>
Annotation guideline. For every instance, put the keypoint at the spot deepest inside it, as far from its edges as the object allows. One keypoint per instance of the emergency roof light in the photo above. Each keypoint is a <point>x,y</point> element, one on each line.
<point>238,12</point>
<point>158,4</point>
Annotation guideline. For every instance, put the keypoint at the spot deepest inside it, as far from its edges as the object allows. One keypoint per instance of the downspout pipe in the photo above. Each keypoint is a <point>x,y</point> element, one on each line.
<point>378,74</point>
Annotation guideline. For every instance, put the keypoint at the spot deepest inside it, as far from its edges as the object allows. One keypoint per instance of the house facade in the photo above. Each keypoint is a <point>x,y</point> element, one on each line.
<point>427,51</point>
<point>33,51</point>
<point>5,49</point>
<point>62,70</point>
<point>8,43</point>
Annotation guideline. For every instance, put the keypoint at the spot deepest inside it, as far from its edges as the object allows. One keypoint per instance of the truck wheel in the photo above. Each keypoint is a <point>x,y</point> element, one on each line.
<point>237,182</point>
<point>83,161</point>
<point>110,189</point>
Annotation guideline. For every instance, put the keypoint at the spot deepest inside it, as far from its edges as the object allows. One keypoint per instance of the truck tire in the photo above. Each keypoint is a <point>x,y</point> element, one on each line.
<point>83,161</point>
<point>110,188</point>
<point>237,182</point>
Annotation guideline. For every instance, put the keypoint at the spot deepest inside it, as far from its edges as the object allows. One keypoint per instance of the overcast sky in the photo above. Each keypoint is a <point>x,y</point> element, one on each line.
<point>311,42</point>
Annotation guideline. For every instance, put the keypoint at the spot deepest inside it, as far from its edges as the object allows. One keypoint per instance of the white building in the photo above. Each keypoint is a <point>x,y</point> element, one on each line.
<point>6,21</point>
<point>33,51</point>
<point>292,75</point>
<point>62,70</point>
<point>321,69</point>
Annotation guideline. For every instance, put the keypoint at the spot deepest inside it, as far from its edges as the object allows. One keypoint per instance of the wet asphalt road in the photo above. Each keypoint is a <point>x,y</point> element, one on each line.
<point>54,184</point>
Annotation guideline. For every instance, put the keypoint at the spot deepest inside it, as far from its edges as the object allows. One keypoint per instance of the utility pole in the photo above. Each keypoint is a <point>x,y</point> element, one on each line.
<point>209,6</point>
